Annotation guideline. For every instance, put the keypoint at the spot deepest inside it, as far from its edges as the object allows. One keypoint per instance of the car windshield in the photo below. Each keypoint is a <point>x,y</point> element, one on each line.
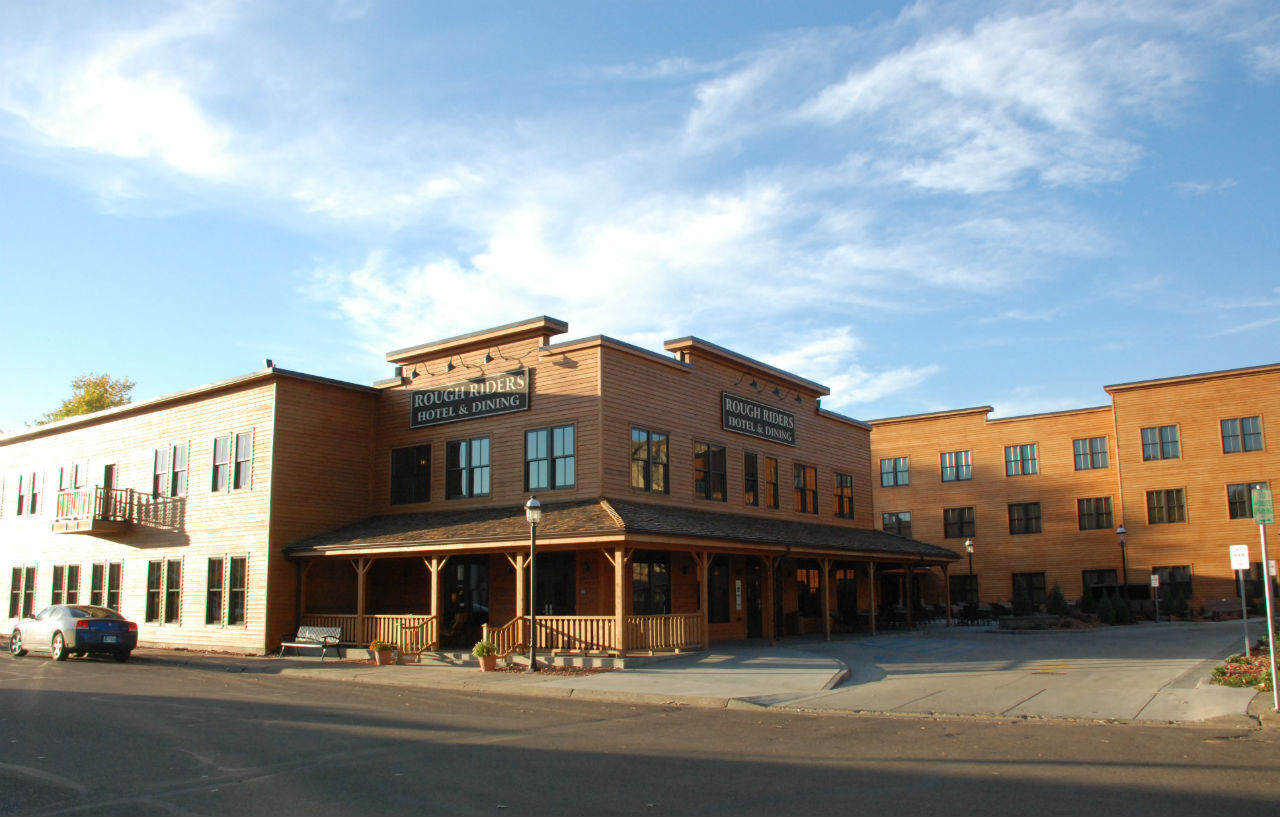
<point>85,611</point>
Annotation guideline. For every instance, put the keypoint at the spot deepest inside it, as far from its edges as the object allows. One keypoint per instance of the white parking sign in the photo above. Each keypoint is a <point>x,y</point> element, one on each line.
<point>1239,557</point>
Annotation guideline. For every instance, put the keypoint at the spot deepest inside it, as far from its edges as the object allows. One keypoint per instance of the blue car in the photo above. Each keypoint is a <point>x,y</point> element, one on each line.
<point>75,629</point>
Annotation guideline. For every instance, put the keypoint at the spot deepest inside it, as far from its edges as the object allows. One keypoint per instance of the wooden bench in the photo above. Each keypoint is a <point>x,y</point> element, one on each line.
<point>1217,608</point>
<point>308,636</point>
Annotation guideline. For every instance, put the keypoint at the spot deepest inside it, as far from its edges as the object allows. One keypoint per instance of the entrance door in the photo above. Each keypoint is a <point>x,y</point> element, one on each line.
<point>557,584</point>
<point>108,509</point>
<point>755,601</point>
<point>466,592</point>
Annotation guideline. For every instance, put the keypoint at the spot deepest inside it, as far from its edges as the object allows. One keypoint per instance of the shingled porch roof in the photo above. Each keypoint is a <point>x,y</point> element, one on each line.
<point>610,517</point>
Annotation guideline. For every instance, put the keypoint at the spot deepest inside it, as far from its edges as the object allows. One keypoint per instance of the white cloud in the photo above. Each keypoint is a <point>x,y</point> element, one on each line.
<point>1201,188</point>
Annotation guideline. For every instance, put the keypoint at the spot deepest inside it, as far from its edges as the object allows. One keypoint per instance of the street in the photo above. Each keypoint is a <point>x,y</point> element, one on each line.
<point>94,737</point>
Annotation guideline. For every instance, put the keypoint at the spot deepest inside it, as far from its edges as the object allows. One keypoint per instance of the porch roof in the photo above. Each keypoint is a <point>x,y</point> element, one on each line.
<point>605,518</point>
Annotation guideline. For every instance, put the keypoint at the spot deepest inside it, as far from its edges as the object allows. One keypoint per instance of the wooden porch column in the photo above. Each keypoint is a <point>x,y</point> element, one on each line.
<point>302,588</point>
<point>871,583</point>
<point>362,569</point>
<point>908,577</point>
<point>946,588</point>
<point>619,559</point>
<point>520,560</point>
<point>435,564</point>
<point>824,585</point>
<point>702,561</point>
<point>768,601</point>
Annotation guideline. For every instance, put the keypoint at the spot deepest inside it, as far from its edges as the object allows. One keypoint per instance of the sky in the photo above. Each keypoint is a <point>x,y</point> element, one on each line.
<point>923,206</point>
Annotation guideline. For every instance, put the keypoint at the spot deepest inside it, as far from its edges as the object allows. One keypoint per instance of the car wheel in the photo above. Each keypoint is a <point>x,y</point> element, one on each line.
<point>58,649</point>
<point>15,644</point>
<point>122,656</point>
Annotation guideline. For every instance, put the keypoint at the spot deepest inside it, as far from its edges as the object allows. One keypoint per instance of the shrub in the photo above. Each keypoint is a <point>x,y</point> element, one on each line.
<point>1088,604</point>
<point>1022,605</point>
<point>483,648</point>
<point>1181,606</point>
<point>1124,613</point>
<point>1106,611</point>
<point>1057,603</point>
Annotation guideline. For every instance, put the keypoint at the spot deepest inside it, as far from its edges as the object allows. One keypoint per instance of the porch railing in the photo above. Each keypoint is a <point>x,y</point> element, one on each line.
<point>408,632</point>
<point>119,505</point>
<point>663,633</point>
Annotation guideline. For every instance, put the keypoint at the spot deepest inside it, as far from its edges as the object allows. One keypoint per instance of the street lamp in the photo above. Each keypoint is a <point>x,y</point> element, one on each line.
<point>533,513</point>
<point>968,548</point>
<point>1124,562</point>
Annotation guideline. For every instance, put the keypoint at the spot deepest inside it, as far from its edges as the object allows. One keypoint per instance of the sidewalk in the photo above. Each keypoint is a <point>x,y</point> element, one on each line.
<point>1149,673</point>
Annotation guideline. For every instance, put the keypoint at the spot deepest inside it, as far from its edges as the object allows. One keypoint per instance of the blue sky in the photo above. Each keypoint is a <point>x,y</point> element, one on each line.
<point>921,205</point>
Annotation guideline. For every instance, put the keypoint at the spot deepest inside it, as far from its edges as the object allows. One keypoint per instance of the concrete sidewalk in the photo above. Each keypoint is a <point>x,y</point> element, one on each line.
<point>1151,673</point>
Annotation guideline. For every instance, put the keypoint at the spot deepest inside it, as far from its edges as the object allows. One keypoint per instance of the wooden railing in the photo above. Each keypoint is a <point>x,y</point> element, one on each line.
<point>510,637</point>
<point>346,622</point>
<point>578,633</point>
<point>120,505</point>
<point>408,632</point>
<point>662,633</point>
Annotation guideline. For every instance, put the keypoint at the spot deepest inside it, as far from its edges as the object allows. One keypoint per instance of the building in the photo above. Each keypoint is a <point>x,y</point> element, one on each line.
<point>1041,497</point>
<point>689,497</point>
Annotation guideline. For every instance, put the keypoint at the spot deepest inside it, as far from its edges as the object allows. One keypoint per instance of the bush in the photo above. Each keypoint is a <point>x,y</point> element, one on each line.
<point>1106,611</point>
<point>1181,606</point>
<point>483,648</point>
<point>1022,605</point>
<point>1124,613</point>
<point>1088,604</point>
<point>1057,603</point>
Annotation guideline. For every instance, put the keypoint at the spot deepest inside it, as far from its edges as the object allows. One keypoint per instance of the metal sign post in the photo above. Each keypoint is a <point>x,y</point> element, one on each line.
<point>1240,563</point>
<point>1155,592</point>
<point>1264,515</point>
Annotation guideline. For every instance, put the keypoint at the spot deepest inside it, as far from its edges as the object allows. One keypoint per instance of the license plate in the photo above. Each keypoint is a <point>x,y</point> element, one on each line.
<point>110,639</point>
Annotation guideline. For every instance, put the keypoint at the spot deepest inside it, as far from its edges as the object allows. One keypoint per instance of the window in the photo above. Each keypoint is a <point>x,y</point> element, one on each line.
<point>28,494</point>
<point>1174,580</point>
<point>750,479</point>
<point>178,476</point>
<point>1020,460</point>
<point>808,587</point>
<point>718,590</point>
<point>160,474</point>
<point>1034,584</point>
<point>844,496</point>
<point>1091,453</point>
<point>66,584</point>
<point>244,460</point>
<point>651,583</point>
<point>770,482</point>
<point>104,585</point>
<point>806,495</point>
<point>1243,434</point>
<point>964,589</point>
<point>1166,506</point>
<point>956,466</point>
<point>1094,513</point>
<point>957,523</point>
<point>548,458</point>
<point>467,468</point>
<point>649,461</point>
<point>897,522</point>
<point>709,471</point>
<point>221,463</point>
<point>169,477</point>
<point>225,592</point>
<point>232,461</point>
<point>1240,499</point>
<point>894,471</point>
<point>1160,443</point>
<point>410,474</point>
<point>164,591</point>
<point>22,592</point>
<point>1098,578</point>
<point>1024,517</point>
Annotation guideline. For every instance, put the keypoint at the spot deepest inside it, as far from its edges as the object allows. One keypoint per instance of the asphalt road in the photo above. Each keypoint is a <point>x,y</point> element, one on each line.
<point>95,737</point>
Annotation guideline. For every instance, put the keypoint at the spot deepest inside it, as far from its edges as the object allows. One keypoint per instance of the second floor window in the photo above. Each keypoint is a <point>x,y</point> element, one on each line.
<point>649,461</point>
<point>1091,453</point>
<point>467,468</point>
<point>898,522</point>
<point>1160,443</point>
<point>1240,499</point>
<point>1020,460</point>
<point>709,471</point>
<point>1243,434</point>
<point>548,458</point>
<point>957,523</point>
<point>232,461</point>
<point>844,496</point>
<point>806,498</point>
<point>1024,517</point>
<point>410,474</point>
<point>170,477</point>
<point>751,478</point>
<point>1094,513</point>
<point>956,466</point>
<point>770,482</point>
<point>894,471</point>
<point>1166,506</point>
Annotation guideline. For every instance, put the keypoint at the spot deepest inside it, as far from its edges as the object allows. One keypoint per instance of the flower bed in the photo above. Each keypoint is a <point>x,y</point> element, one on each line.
<point>1246,671</point>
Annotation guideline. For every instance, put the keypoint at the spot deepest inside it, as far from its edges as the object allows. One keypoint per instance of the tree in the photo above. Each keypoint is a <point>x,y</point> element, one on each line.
<point>90,393</point>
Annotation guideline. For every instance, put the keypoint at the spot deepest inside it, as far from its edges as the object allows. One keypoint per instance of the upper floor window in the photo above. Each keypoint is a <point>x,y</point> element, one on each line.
<point>169,477</point>
<point>894,471</point>
<point>956,466</point>
<point>410,474</point>
<point>709,481</point>
<point>1240,499</point>
<point>1091,452</point>
<point>548,458</point>
<point>771,482</point>
<point>957,523</point>
<point>28,493</point>
<point>806,496</point>
<point>844,496</point>
<point>1094,513</point>
<point>898,522</point>
<point>1242,434</point>
<point>649,461</point>
<point>232,461</point>
<point>1160,443</point>
<point>751,478</point>
<point>466,468</point>
<point>1024,517</point>
<point>1166,506</point>
<point>1020,460</point>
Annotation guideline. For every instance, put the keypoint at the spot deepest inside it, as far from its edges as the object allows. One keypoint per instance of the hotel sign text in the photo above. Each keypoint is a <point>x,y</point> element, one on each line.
<point>468,399</point>
<point>756,419</point>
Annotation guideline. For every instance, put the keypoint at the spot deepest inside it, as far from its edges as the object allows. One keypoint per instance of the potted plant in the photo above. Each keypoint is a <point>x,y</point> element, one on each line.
<point>488,655</point>
<point>383,651</point>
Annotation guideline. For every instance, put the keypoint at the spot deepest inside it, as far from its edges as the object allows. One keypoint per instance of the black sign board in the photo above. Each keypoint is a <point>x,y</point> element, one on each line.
<point>482,396</point>
<point>756,419</point>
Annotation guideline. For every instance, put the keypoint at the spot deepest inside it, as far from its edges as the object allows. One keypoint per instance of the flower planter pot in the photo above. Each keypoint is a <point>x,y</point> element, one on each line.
<point>488,663</point>
<point>383,657</point>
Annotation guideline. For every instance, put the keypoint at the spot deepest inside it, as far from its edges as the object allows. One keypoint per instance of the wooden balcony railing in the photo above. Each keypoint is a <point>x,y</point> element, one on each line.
<point>89,509</point>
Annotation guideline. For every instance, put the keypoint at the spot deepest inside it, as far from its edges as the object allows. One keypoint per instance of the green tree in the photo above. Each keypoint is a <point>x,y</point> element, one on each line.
<point>90,393</point>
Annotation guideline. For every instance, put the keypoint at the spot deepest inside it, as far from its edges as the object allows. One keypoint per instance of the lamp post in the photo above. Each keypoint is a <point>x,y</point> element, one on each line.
<point>968,548</point>
<point>533,513</point>
<point>1124,563</point>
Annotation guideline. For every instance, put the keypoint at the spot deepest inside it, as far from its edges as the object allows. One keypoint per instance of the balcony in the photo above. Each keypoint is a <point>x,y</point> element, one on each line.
<point>99,510</point>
